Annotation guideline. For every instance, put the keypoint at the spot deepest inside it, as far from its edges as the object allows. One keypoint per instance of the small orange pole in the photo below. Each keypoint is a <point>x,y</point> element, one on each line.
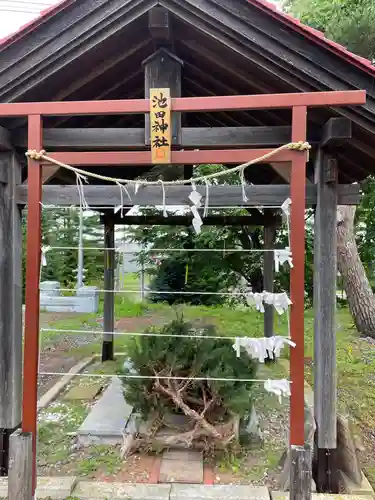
<point>297,279</point>
<point>31,348</point>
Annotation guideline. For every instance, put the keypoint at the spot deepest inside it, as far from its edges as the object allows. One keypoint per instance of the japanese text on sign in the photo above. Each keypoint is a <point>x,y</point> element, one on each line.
<point>160,125</point>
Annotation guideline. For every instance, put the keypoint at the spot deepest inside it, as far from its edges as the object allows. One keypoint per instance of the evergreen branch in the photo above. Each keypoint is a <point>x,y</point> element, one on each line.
<point>189,412</point>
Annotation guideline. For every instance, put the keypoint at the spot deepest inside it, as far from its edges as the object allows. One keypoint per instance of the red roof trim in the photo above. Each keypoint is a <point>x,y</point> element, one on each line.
<point>314,35</point>
<point>34,23</point>
<point>271,9</point>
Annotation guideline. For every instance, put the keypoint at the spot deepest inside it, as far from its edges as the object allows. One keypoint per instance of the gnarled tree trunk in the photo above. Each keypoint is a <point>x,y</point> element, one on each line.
<point>358,291</point>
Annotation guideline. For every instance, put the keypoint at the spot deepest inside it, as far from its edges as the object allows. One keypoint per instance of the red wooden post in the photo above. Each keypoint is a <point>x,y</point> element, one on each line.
<point>297,279</point>
<point>31,349</point>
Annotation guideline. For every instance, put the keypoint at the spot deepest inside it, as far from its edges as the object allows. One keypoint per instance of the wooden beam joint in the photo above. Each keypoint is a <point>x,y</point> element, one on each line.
<point>331,171</point>
<point>335,132</point>
<point>159,23</point>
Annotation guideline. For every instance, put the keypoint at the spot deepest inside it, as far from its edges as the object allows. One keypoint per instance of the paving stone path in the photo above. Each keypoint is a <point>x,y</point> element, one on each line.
<point>181,466</point>
<point>107,420</point>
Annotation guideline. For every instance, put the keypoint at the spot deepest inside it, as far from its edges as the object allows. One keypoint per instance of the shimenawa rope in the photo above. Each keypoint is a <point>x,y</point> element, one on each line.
<point>41,155</point>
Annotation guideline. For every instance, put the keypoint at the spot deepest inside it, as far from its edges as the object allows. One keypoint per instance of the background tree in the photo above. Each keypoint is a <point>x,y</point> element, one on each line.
<point>187,271</point>
<point>352,23</point>
<point>60,227</point>
<point>349,22</point>
<point>212,271</point>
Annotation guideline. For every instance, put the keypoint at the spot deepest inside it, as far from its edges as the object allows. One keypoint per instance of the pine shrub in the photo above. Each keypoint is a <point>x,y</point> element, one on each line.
<point>198,357</point>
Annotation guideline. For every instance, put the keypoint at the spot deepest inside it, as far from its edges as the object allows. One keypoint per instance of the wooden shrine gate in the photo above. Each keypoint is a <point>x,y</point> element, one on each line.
<point>298,103</point>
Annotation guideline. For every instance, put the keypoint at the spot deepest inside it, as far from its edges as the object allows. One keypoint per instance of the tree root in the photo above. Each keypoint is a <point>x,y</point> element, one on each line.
<point>176,395</point>
<point>198,438</point>
<point>204,435</point>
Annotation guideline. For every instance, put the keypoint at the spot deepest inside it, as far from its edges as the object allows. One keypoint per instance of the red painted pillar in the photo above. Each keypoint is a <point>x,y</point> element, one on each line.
<point>31,345</point>
<point>297,279</point>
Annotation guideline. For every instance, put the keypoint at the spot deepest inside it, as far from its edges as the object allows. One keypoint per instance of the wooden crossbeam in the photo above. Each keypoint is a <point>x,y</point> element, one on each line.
<point>219,196</point>
<point>194,137</point>
<point>254,219</point>
<point>195,157</point>
<point>186,104</point>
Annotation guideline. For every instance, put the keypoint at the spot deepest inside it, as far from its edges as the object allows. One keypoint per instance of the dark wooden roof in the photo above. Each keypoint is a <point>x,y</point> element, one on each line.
<point>93,49</point>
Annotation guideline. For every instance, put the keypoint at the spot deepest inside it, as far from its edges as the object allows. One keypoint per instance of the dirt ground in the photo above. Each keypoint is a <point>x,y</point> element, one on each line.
<point>58,356</point>
<point>139,323</point>
<point>135,469</point>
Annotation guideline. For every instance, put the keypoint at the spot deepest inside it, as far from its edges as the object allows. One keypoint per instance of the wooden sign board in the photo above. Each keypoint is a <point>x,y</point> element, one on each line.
<point>160,125</point>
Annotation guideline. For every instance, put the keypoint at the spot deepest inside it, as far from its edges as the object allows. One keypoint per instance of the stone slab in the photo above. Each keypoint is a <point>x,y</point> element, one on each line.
<point>327,496</point>
<point>55,488</point>
<point>83,392</point>
<point>88,490</point>
<point>52,488</point>
<point>350,487</point>
<point>181,471</point>
<point>3,487</point>
<point>69,304</point>
<point>218,492</point>
<point>107,420</point>
<point>51,288</point>
<point>282,495</point>
<point>187,455</point>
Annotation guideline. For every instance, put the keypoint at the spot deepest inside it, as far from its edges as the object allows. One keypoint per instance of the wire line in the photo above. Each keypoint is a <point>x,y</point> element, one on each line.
<point>143,334</point>
<point>225,294</point>
<point>167,250</point>
<point>156,377</point>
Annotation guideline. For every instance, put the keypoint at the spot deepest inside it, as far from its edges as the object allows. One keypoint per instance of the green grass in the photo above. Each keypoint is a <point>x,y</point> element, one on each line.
<point>71,322</point>
<point>233,321</point>
<point>124,308</point>
<point>355,368</point>
<point>355,356</point>
<point>107,459</point>
<point>132,281</point>
<point>55,444</point>
<point>55,423</point>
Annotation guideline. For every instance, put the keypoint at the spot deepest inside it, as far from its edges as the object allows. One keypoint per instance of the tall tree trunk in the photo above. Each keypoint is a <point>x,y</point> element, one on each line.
<point>358,291</point>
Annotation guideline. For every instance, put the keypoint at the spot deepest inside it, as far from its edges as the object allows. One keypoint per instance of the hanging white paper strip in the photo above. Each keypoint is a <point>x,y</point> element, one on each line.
<point>195,197</point>
<point>44,255</point>
<point>285,207</point>
<point>280,301</point>
<point>207,198</point>
<point>281,257</point>
<point>279,387</point>
<point>263,347</point>
<point>197,221</point>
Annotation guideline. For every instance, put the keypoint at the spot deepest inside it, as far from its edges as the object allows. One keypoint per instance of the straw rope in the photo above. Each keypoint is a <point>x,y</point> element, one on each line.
<point>42,155</point>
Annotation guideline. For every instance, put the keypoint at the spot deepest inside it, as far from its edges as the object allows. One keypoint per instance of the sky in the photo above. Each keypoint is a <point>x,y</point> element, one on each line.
<point>16,13</point>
